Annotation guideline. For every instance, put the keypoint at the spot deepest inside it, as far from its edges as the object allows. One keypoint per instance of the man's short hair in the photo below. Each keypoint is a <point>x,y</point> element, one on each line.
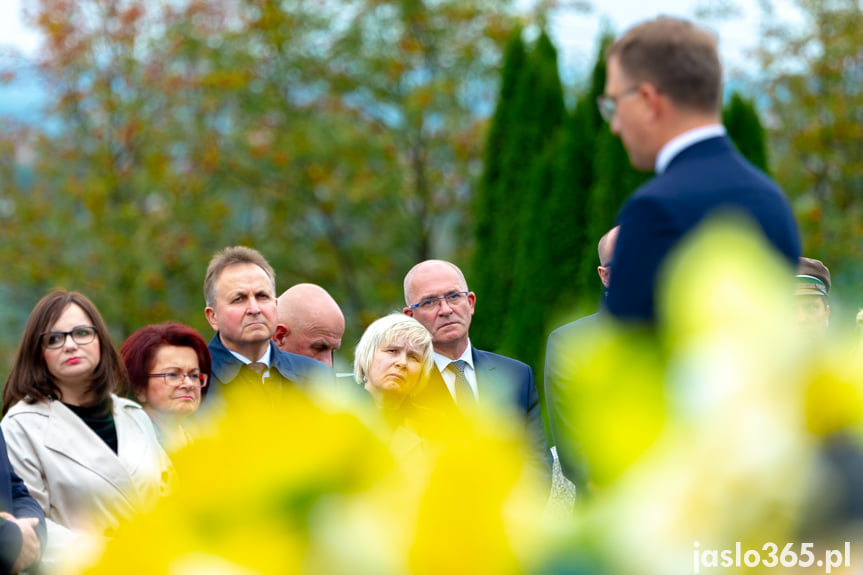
<point>676,56</point>
<point>228,257</point>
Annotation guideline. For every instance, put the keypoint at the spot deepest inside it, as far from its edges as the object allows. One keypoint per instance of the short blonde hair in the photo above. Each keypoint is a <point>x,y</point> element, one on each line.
<point>395,327</point>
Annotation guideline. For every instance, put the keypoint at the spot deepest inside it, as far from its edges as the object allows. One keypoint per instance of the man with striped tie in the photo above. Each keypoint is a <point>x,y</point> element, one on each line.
<point>436,294</point>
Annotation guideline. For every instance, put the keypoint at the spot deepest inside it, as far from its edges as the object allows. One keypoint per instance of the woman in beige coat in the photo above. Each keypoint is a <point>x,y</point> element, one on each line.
<point>90,458</point>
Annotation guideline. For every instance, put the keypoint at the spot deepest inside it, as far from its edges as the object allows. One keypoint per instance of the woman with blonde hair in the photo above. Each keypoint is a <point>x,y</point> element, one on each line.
<point>393,361</point>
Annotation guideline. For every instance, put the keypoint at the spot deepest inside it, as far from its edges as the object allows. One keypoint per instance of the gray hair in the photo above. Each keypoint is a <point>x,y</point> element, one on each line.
<point>386,330</point>
<point>231,256</point>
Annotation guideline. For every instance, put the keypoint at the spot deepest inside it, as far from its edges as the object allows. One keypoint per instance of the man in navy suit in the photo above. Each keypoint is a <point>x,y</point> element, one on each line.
<point>240,291</point>
<point>436,294</point>
<point>662,98</point>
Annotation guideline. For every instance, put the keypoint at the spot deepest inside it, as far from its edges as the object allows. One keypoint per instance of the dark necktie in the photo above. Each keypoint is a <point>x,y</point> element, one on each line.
<point>258,367</point>
<point>463,393</point>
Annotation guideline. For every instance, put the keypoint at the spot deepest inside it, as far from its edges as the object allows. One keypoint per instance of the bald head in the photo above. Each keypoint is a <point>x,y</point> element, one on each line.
<point>449,304</point>
<point>415,279</point>
<point>606,254</point>
<point>309,323</point>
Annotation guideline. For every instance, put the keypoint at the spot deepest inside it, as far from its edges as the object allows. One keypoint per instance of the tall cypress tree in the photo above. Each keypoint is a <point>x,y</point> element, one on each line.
<point>535,283</point>
<point>493,204</point>
<point>745,129</point>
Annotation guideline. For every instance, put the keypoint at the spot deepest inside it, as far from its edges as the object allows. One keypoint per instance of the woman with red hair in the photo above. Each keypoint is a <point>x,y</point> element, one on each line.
<point>169,369</point>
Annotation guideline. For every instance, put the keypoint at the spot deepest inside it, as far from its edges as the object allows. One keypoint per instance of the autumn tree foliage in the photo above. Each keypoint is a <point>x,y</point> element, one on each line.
<point>340,138</point>
<point>812,87</point>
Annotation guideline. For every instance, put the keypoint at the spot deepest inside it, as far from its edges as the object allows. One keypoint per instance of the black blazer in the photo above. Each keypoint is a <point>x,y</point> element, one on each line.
<point>701,180</point>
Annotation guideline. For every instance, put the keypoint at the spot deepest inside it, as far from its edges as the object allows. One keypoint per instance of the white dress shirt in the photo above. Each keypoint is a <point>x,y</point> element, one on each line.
<point>683,141</point>
<point>265,359</point>
<point>442,362</point>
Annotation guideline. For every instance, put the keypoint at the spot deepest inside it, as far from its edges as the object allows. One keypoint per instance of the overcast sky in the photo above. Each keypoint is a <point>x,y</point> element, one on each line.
<point>574,34</point>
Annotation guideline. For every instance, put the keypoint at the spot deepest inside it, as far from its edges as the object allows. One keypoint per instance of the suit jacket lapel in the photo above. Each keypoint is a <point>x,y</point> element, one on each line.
<point>485,375</point>
<point>492,384</point>
<point>225,365</point>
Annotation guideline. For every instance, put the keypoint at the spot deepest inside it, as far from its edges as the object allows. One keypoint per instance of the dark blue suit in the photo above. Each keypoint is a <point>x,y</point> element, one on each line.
<point>297,369</point>
<point>509,383</point>
<point>704,179</point>
<point>15,499</point>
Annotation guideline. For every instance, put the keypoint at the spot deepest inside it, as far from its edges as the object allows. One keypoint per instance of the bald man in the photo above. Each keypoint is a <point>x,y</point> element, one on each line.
<point>309,323</point>
<point>437,295</point>
<point>561,357</point>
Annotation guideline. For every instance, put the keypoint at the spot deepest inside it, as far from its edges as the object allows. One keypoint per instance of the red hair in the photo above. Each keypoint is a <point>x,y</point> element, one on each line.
<point>139,349</point>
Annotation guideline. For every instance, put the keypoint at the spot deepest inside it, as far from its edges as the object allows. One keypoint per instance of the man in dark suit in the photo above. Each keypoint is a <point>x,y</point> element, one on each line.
<point>22,522</point>
<point>240,291</point>
<point>662,97</point>
<point>561,357</point>
<point>437,295</point>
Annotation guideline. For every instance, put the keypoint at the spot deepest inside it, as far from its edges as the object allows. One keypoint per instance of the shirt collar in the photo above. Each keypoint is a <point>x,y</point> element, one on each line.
<point>683,141</point>
<point>265,359</point>
<point>442,361</point>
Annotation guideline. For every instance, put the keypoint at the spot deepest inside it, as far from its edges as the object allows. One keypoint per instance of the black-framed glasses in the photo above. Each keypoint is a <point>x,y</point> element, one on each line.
<point>175,378</point>
<point>81,334</point>
<point>434,302</point>
<point>608,104</point>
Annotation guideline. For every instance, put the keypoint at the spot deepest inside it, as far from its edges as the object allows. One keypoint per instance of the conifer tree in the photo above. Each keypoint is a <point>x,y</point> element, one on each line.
<point>537,112</point>
<point>542,224</point>
<point>492,203</point>
<point>745,130</point>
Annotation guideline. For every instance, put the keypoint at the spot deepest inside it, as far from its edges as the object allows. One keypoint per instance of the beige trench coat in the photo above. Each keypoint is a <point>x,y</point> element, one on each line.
<point>84,488</point>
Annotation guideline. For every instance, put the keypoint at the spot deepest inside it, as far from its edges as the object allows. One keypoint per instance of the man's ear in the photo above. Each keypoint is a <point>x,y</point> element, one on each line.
<point>281,334</point>
<point>211,317</point>
<point>604,276</point>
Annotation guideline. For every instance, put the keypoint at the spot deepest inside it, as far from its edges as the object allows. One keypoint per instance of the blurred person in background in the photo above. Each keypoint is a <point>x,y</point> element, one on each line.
<point>90,458</point>
<point>169,368</point>
<point>812,289</point>
<point>309,323</point>
<point>560,357</point>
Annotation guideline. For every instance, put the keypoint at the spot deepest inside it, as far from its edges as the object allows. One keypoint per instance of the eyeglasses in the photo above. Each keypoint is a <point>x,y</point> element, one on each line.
<point>608,104</point>
<point>81,335</point>
<point>175,378</point>
<point>434,303</point>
